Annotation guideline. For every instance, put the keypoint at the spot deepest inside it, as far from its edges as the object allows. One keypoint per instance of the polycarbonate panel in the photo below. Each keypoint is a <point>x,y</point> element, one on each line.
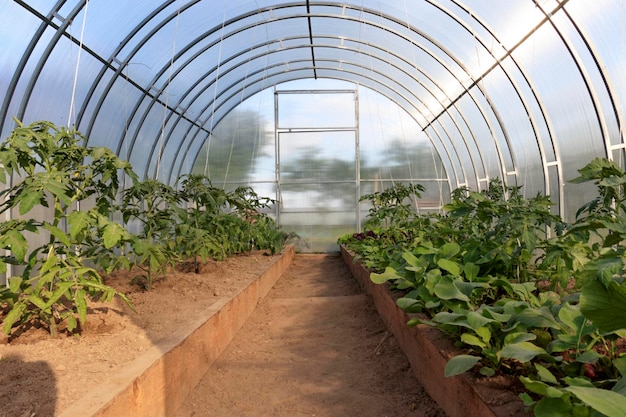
<point>603,26</point>
<point>240,150</point>
<point>314,110</point>
<point>200,94</point>
<point>457,68</point>
<point>510,20</point>
<point>462,130</point>
<point>13,35</point>
<point>107,23</point>
<point>57,75</point>
<point>464,147</point>
<point>141,145</point>
<point>568,104</point>
<point>317,156</point>
<point>521,141</point>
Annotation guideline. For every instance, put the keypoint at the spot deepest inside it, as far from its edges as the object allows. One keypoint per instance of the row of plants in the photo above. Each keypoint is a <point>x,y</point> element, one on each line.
<point>521,292</point>
<point>61,236</point>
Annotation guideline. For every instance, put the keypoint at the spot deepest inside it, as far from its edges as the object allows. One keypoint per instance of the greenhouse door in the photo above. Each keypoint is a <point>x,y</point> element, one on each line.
<point>317,165</point>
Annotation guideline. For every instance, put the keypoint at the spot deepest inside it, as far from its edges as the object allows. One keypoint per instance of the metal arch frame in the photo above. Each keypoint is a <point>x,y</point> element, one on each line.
<point>360,21</point>
<point>258,56</point>
<point>372,86</point>
<point>587,79</point>
<point>156,28</point>
<point>251,91</point>
<point>77,10</point>
<point>511,154</point>
<point>46,22</point>
<point>49,23</point>
<point>417,81</point>
<point>498,63</point>
<point>123,64</point>
<point>545,163</point>
<point>188,5</point>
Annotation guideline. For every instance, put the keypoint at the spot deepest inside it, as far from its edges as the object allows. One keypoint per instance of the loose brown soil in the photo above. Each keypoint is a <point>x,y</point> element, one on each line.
<point>315,346</point>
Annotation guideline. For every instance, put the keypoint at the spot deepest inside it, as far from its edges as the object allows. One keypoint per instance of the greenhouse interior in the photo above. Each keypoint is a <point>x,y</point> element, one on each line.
<point>465,150</point>
<point>314,104</point>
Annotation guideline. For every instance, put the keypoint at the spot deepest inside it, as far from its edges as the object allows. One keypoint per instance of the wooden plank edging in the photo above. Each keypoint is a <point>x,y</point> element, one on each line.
<point>156,383</point>
<point>457,395</point>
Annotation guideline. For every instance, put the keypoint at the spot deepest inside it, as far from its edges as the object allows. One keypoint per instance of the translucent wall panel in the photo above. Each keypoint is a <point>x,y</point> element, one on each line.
<point>241,150</point>
<point>566,98</point>
<point>520,141</point>
<point>317,110</point>
<point>107,127</point>
<point>602,23</point>
<point>10,57</point>
<point>317,156</point>
<point>305,209</point>
<point>141,145</point>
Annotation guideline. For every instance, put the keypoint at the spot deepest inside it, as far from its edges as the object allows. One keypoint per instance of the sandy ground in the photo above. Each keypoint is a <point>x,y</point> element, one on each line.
<point>314,347</point>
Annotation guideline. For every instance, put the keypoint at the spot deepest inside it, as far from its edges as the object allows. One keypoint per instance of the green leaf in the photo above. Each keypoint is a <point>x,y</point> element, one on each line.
<point>620,365</point>
<point>477,320</point>
<point>620,386</point>
<point>78,221</point>
<point>460,364</point>
<point>523,351</point>
<point>15,284</point>
<point>590,356</point>
<point>446,290</point>
<point>472,340</point>
<point>113,234</point>
<point>16,242</point>
<point>71,322</point>
<point>16,314</point>
<point>448,250</point>
<point>604,306</point>
<point>471,271</point>
<point>541,388</point>
<point>447,265</point>
<point>545,375</point>
<point>389,274</point>
<point>81,305</point>
<point>539,318</point>
<point>30,200</point>
<point>609,403</point>
<point>518,337</point>
<point>552,407</point>
<point>59,234</point>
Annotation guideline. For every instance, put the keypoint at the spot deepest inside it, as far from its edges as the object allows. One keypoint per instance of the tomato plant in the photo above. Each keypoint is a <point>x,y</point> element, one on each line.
<point>522,291</point>
<point>50,168</point>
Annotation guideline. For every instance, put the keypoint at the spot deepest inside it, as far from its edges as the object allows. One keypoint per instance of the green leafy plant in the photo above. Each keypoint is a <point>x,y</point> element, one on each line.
<point>519,290</point>
<point>152,206</point>
<point>51,168</point>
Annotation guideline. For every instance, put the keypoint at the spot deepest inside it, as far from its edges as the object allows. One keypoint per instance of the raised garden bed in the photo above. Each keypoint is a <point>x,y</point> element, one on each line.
<point>141,363</point>
<point>428,351</point>
<point>157,382</point>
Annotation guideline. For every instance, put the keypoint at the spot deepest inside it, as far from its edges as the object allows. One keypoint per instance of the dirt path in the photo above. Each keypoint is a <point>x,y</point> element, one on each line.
<point>314,347</point>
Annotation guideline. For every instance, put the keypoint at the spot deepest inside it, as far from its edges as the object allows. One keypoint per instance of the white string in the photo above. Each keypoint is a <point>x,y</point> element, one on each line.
<point>217,78</point>
<point>80,48</point>
<point>264,80</point>
<point>167,97</point>
<point>238,115</point>
<point>621,81</point>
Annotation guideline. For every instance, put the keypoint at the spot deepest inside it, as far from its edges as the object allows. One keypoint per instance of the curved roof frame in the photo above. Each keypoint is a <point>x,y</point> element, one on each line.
<point>224,101</point>
<point>241,81</point>
<point>155,12</point>
<point>164,69</point>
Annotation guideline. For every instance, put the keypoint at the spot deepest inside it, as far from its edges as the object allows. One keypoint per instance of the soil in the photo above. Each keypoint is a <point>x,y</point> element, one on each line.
<point>314,347</point>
